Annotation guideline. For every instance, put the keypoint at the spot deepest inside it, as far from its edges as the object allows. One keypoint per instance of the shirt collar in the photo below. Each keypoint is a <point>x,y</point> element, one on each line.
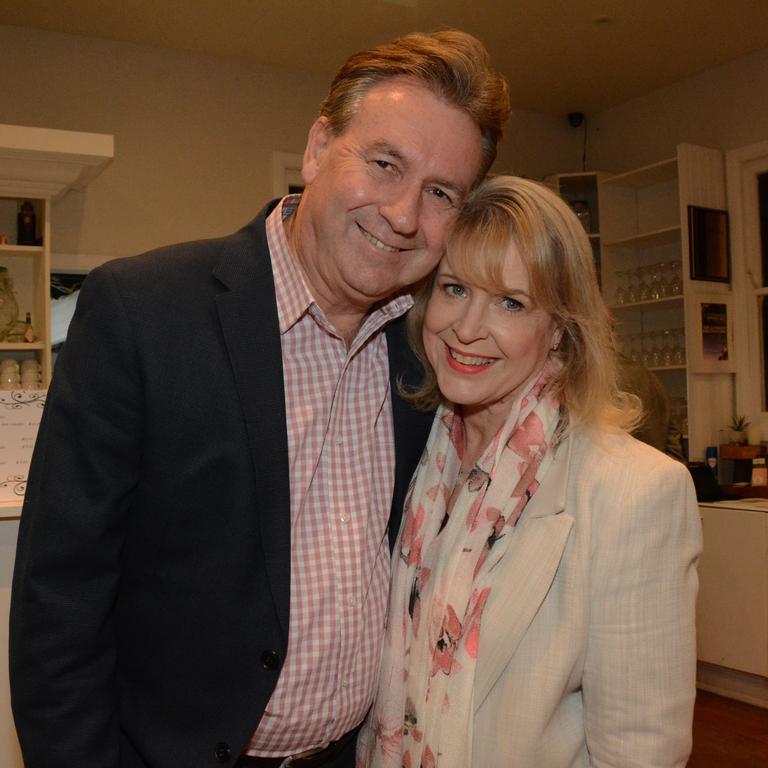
<point>293,295</point>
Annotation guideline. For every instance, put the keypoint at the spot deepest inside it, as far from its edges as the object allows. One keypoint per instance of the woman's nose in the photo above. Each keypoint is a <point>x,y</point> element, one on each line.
<point>471,324</point>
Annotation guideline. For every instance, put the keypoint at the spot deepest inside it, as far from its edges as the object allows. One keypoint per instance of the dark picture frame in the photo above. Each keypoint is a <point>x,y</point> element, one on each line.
<point>710,257</point>
<point>713,348</point>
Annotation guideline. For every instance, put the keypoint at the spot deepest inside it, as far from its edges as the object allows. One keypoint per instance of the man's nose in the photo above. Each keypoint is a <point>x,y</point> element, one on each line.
<point>403,208</point>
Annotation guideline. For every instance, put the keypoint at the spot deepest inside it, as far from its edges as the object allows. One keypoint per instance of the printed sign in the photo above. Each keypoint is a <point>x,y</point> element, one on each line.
<point>20,413</point>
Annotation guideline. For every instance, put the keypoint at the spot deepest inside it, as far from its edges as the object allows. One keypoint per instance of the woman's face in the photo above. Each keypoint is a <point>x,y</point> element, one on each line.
<point>486,345</point>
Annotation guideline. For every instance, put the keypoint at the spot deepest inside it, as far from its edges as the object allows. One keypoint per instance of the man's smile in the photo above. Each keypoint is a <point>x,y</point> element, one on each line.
<point>378,243</point>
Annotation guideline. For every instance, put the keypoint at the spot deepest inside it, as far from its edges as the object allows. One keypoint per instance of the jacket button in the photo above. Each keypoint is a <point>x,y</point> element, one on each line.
<point>222,752</point>
<point>270,660</point>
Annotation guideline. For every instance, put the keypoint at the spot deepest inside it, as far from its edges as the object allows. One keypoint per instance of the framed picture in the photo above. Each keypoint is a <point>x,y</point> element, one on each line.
<point>712,350</point>
<point>708,244</point>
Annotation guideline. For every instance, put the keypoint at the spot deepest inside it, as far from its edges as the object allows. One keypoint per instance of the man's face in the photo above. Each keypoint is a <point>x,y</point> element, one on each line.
<point>381,196</point>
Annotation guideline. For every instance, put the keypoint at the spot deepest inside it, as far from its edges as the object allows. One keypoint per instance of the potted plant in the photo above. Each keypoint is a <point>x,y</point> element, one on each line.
<point>739,426</point>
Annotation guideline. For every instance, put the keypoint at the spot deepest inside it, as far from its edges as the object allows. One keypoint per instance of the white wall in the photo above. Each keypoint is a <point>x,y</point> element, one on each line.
<point>723,108</point>
<point>537,145</point>
<point>193,135</point>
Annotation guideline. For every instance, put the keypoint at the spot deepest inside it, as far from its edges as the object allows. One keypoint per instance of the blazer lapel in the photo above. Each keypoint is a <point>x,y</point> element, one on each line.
<point>411,427</point>
<point>248,317</point>
<point>523,576</point>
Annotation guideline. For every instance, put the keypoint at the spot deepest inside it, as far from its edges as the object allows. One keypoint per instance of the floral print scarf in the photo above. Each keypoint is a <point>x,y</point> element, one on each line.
<point>442,577</point>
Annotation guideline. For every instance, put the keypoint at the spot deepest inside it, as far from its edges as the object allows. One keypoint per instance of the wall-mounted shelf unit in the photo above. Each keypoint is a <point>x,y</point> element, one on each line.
<point>40,165</point>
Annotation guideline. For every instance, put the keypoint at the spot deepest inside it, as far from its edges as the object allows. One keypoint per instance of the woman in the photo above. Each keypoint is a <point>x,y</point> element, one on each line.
<point>542,606</point>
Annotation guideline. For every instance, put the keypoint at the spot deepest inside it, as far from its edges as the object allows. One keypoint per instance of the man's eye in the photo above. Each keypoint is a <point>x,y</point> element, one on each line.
<point>441,196</point>
<point>385,165</point>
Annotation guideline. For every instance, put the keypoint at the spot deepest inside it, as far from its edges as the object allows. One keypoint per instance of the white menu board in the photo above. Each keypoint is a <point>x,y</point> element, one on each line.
<point>20,413</point>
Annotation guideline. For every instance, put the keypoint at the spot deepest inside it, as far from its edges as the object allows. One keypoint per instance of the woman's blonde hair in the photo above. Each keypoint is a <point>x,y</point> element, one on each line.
<point>452,64</point>
<point>507,210</point>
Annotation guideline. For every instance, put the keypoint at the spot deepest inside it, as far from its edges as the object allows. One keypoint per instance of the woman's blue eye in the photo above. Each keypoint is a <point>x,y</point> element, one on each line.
<point>454,289</point>
<point>513,305</point>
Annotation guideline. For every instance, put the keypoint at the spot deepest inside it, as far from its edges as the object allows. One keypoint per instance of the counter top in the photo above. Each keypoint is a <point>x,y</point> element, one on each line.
<point>10,510</point>
<point>754,505</point>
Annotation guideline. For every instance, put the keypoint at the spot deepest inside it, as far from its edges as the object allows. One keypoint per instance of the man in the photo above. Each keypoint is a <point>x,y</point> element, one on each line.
<point>203,559</point>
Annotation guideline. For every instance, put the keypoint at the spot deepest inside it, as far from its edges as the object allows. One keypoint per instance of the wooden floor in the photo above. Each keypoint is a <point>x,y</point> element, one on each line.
<point>728,734</point>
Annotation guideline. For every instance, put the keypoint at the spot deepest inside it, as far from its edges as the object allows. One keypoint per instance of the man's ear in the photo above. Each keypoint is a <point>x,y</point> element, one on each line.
<point>317,143</point>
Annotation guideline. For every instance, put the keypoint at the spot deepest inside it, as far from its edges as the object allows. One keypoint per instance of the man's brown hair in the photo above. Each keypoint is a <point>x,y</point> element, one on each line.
<point>453,65</point>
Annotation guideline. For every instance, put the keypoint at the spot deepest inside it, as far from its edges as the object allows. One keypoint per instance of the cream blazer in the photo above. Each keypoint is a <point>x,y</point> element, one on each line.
<point>587,654</point>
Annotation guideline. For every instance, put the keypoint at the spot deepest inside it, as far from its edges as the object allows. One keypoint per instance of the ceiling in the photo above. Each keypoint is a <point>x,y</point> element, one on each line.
<point>559,57</point>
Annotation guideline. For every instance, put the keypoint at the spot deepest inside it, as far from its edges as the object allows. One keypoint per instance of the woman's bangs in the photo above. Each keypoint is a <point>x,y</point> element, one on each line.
<point>479,256</point>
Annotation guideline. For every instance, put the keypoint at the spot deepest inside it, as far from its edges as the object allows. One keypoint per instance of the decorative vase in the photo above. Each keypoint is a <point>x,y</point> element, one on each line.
<point>9,309</point>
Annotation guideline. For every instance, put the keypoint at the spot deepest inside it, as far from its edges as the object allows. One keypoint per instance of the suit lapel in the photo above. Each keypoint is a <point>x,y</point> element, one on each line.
<point>524,575</point>
<point>411,427</point>
<point>248,317</point>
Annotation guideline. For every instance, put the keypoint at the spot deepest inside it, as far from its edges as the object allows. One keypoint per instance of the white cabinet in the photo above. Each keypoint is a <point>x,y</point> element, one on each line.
<point>580,191</point>
<point>40,165</point>
<point>732,608</point>
<point>645,277</point>
<point>29,268</point>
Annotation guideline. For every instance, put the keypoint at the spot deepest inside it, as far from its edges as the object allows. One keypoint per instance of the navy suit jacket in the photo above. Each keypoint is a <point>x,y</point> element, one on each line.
<point>150,604</point>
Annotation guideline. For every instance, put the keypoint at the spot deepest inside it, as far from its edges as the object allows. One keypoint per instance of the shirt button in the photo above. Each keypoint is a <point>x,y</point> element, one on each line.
<point>344,517</point>
<point>351,602</point>
<point>346,682</point>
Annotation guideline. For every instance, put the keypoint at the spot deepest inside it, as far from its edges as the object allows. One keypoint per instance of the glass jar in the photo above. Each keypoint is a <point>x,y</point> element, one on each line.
<point>9,309</point>
<point>583,214</point>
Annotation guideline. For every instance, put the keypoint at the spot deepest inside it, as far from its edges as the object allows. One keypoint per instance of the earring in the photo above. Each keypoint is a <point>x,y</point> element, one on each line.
<point>554,347</point>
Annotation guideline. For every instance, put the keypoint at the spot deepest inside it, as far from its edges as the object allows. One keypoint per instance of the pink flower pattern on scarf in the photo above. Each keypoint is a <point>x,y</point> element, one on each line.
<point>443,579</point>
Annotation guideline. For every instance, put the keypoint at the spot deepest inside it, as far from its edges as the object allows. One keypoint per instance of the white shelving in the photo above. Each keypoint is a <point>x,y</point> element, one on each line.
<point>643,216</point>
<point>582,188</point>
<point>40,165</point>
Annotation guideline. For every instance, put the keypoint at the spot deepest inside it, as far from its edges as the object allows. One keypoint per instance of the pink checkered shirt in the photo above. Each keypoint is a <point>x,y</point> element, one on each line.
<point>341,453</point>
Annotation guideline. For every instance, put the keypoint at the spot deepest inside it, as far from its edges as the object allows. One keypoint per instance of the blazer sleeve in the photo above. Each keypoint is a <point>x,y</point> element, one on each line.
<point>640,665</point>
<point>84,467</point>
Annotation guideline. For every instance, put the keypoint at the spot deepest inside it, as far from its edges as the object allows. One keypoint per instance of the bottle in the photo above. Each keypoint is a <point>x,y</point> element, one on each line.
<point>26,225</point>
<point>29,331</point>
<point>711,455</point>
<point>9,309</point>
<point>759,471</point>
<point>583,214</point>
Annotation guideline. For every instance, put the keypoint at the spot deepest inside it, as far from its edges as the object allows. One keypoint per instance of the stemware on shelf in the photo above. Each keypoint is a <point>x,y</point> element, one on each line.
<point>620,297</point>
<point>633,288</point>
<point>654,281</point>
<point>644,285</point>
<point>676,279</point>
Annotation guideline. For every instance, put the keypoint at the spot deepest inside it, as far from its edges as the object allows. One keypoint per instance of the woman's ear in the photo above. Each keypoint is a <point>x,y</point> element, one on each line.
<point>317,143</point>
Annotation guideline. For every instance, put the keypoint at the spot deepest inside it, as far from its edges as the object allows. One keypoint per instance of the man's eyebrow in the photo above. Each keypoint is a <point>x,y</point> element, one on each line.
<point>387,149</point>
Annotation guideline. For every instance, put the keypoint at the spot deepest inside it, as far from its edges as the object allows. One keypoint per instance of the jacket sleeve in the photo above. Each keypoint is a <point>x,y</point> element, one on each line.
<point>640,666</point>
<point>84,467</point>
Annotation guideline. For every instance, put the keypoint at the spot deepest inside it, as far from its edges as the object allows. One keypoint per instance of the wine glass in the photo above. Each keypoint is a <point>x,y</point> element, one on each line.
<point>644,287</point>
<point>621,291</point>
<point>633,290</point>
<point>654,281</point>
<point>676,280</point>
